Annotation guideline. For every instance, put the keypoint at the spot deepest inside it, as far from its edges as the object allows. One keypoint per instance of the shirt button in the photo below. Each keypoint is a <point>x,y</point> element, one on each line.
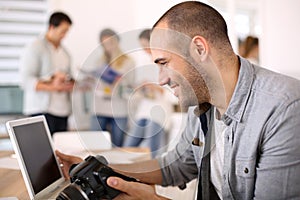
<point>246,170</point>
<point>197,142</point>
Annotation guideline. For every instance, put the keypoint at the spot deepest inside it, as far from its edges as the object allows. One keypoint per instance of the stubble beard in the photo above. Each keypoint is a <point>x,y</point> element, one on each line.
<point>194,92</point>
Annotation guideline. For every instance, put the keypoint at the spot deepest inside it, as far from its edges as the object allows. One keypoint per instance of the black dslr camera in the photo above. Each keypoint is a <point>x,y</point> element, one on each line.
<point>88,181</point>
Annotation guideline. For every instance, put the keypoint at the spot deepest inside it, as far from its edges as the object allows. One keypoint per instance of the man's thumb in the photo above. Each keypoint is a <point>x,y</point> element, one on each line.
<point>118,183</point>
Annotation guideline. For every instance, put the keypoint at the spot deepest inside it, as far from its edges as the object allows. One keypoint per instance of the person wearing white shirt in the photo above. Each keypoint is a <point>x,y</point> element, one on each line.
<point>46,75</point>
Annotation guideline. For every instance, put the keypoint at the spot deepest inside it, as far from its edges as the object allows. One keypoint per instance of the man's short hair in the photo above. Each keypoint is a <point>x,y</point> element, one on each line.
<point>145,34</point>
<point>58,17</point>
<point>107,32</point>
<point>196,18</point>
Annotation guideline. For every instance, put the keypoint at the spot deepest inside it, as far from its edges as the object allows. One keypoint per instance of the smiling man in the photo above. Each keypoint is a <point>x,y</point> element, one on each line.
<point>242,135</point>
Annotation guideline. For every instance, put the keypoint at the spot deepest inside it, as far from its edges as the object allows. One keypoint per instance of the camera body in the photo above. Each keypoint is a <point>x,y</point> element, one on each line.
<point>88,181</point>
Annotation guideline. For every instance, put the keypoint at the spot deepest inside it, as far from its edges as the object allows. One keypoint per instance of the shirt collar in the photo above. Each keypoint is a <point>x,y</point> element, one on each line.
<point>241,93</point>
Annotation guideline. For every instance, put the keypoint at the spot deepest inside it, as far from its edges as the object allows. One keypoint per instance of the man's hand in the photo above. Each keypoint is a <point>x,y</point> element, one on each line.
<point>133,190</point>
<point>66,161</point>
<point>61,82</point>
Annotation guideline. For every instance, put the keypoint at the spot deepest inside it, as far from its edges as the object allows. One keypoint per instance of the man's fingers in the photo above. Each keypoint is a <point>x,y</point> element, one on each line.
<point>66,173</point>
<point>130,188</point>
<point>62,155</point>
<point>68,158</point>
<point>134,190</point>
<point>118,184</point>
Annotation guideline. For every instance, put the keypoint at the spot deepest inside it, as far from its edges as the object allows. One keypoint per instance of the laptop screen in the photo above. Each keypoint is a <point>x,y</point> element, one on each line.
<point>37,155</point>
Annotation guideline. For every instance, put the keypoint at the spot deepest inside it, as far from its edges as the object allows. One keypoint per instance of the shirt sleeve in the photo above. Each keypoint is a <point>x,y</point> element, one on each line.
<point>31,66</point>
<point>179,166</point>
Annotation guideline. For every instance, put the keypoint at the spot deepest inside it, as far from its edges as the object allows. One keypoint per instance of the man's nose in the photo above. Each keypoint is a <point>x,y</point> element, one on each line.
<point>164,79</point>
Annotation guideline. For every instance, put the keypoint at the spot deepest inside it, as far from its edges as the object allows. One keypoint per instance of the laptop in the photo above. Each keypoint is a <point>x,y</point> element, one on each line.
<point>32,144</point>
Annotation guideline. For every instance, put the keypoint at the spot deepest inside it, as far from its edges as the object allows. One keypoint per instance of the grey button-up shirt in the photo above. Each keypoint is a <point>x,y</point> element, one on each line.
<point>262,141</point>
<point>37,64</point>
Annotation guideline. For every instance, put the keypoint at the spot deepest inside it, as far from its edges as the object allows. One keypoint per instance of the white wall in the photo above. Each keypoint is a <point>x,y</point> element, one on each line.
<point>90,16</point>
<point>280,41</point>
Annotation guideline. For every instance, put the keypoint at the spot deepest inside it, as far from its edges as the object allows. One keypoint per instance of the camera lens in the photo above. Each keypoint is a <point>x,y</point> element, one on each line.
<point>72,192</point>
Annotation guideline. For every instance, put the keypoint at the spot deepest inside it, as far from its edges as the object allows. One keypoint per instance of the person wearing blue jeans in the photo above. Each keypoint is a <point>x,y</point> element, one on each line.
<point>111,86</point>
<point>117,126</point>
<point>153,108</point>
<point>148,130</point>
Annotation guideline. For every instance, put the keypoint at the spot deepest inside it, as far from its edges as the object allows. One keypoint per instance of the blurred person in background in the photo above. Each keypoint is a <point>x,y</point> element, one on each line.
<point>153,108</point>
<point>110,97</point>
<point>46,75</point>
<point>250,49</point>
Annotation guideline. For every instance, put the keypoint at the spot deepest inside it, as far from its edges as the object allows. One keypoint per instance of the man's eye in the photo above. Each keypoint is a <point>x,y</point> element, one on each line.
<point>163,63</point>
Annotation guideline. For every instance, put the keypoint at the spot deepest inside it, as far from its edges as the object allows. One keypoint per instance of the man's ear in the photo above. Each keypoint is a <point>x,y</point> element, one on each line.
<point>199,48</point>
<point>51,27</point>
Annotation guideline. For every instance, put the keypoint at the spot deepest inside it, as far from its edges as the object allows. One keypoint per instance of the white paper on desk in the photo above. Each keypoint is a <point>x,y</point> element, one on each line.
<point>9,163</point>
<point>8,198</point>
